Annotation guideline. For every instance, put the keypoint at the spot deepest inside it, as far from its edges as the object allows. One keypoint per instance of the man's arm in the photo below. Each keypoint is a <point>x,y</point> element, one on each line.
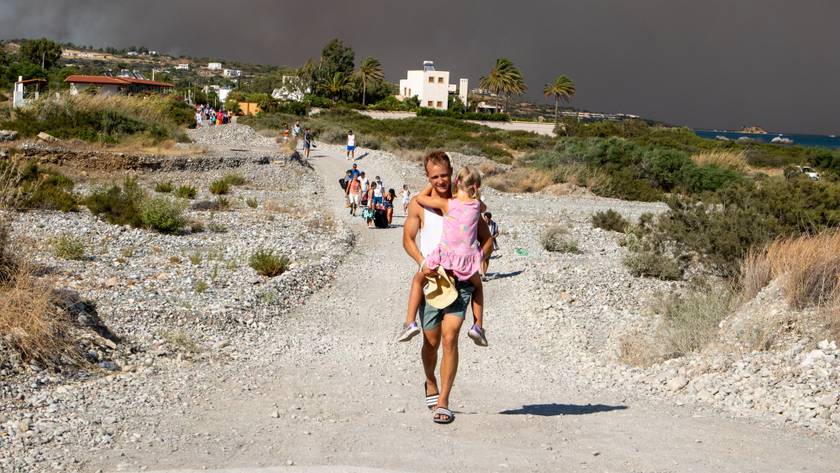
<point>411,226</point>
<point>485,238</point>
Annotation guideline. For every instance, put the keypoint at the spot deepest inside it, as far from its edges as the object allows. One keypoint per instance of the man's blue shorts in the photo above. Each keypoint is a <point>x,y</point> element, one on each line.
<point>431,318</point>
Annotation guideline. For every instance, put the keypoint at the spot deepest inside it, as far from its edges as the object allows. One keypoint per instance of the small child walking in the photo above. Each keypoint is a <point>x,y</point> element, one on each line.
<point>406,198</point>
<point>458,251</point>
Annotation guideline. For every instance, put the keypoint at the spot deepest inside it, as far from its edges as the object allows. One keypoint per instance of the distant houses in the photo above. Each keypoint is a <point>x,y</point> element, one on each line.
<point>291,89</point>
<point>431,87</point>
<point>182,66</point>
<point>26,90</point>
<point>214,66</point>
<point>107,85</point>
<point>232,73</point>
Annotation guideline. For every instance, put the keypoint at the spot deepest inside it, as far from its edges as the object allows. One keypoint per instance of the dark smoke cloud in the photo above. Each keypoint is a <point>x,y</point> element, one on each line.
<point>712,64</point>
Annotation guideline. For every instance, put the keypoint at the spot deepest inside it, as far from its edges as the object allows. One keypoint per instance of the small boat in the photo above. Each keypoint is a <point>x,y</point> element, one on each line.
<point>781,140</point>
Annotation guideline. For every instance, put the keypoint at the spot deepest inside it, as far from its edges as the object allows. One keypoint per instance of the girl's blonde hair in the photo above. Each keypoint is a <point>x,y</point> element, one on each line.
<point>469,181</point>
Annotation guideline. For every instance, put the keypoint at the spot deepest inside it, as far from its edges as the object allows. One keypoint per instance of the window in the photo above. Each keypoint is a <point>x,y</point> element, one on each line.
<point>440,80</point>
<point>431,80</point>
<point>439,104</point>
<point>430,103</point>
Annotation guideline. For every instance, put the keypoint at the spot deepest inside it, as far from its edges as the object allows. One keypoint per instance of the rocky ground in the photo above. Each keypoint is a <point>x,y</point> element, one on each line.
<point>302,369</point>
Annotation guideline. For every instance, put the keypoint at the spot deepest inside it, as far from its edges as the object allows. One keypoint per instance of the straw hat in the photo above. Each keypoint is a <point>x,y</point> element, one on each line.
<point>440,289</point>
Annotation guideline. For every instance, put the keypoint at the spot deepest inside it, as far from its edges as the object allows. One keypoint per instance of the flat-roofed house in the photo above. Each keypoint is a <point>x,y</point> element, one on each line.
<point>429,85</point>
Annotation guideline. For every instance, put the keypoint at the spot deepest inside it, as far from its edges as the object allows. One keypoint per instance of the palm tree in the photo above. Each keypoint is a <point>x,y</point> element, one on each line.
<point>336,85</point>
<point>562,89</point>
<point>369,70</point>
<point>504,79</point>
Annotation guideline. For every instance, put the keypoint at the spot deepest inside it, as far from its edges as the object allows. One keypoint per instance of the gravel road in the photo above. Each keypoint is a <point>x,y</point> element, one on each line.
<point>331,388</point>
<point>325,387</point>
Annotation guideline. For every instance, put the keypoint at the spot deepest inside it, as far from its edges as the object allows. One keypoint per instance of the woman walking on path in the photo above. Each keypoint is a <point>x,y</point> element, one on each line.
<point>388,204</point>
<point>370,209</point>
<point>406,198</point>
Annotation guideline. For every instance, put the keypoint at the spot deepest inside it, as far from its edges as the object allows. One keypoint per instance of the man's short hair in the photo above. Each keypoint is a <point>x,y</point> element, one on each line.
<point>488,215</point>
<point>436,157</point>
<point>355,165</point>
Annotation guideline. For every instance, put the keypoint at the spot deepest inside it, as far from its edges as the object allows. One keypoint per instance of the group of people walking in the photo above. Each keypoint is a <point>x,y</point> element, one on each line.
<point>371,197</point>
<point>206,115</point>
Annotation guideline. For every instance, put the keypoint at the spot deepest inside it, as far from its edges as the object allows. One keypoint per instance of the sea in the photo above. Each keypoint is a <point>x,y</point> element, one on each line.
<point>822,141</point>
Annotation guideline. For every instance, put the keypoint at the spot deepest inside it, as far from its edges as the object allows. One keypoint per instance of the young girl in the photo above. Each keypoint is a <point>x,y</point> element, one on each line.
<point>406,198</point>
<point>458,251</point>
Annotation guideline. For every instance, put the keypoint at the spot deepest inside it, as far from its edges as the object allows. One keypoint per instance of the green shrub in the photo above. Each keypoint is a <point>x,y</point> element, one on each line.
<point>217,204</point>
<point>609,220</point>
<point>690,320</point>
<point>555,239</point>
<point>234,179</point>
<point>37,187</point>
<point>217,227</point>
<point>649,264</point>
<point>118,205</point>
<point>186,192</point>
<point>201,286</point>
<point>266,263</point>
<point>162,214</point>
<point>163,187</point>
<point>67,246</point>
<point>252,202</point>
<point>219,187</point>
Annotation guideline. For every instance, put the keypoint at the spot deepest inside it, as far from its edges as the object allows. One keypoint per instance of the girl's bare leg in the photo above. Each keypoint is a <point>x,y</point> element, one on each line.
<point>414,297</point>
<point>478,300</point>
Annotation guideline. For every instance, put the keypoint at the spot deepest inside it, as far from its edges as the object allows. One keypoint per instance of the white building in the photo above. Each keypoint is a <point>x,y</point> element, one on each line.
<point>214,66</point>
<point>184,66</point>
<point>291,89</point>
<point>430,86</point>
<point>26,90</point>
<point>232,73</point>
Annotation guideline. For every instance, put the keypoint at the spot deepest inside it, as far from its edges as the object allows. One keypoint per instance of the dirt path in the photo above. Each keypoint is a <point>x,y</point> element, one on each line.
<point>333,390</point>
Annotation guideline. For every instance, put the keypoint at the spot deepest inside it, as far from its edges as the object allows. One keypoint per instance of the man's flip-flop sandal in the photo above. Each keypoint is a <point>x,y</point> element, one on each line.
<point>431,399</point>
<point>446,416</point>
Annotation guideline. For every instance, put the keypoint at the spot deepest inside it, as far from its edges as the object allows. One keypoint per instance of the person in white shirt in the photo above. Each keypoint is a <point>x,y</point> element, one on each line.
<point>351,146</point>
<point>406,198</point>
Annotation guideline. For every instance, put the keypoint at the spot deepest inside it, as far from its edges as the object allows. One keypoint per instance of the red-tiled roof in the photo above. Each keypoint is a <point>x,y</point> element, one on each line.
<point>105,80</point>
<point>146,82</point>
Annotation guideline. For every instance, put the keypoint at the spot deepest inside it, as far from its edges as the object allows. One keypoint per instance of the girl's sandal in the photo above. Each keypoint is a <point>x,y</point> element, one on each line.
<point>443,416</point>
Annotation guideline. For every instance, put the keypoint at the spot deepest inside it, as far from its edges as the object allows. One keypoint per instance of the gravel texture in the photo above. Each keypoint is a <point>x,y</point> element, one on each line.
<point>302,369</point>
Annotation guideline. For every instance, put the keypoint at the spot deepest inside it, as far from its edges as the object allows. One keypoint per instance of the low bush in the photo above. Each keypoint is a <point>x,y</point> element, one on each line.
<point>234,179</point>
<point>609,220</point>
<point>219,187</point>
<point>555,239</point>
<point>118,205</point>
<point>70,247</point>
<point>103,118</point>
<point>734,161</point>
<point>37,187</point>
<point>460,115</point>
<point>162,214</point>
<point>266,263</point>
<point>650,264</point>
<point>252,202</point>
<point>163,187</point>
<point>217,205</point>
<point>186,192</point>
<point>32,323</point>
<point>217,227</point>
<point>685,322</point>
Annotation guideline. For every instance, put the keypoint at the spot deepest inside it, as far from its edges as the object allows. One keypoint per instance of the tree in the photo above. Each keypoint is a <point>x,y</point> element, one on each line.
<point>562,89</point>
<point>336,57</point>
<point>504,80</point>
<point>337,85</point>
<point>42,52</point>
<point>369,70</point>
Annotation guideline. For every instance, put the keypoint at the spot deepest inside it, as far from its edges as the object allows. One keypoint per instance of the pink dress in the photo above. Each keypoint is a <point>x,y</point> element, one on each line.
<point>458,250</point>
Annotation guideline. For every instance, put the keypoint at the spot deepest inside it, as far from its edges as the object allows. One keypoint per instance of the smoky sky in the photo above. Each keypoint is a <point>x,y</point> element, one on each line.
<point>706,64</point>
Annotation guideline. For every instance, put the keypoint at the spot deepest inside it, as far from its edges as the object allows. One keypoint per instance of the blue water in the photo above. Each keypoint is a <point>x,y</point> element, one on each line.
<point>801,140</point>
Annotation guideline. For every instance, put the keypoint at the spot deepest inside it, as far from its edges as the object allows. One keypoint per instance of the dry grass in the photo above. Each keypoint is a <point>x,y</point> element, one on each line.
<point>30,321</point>
<point>685,322</point>
<point>736,161</point>
<point>810,266</point>
<point>520,180</point>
